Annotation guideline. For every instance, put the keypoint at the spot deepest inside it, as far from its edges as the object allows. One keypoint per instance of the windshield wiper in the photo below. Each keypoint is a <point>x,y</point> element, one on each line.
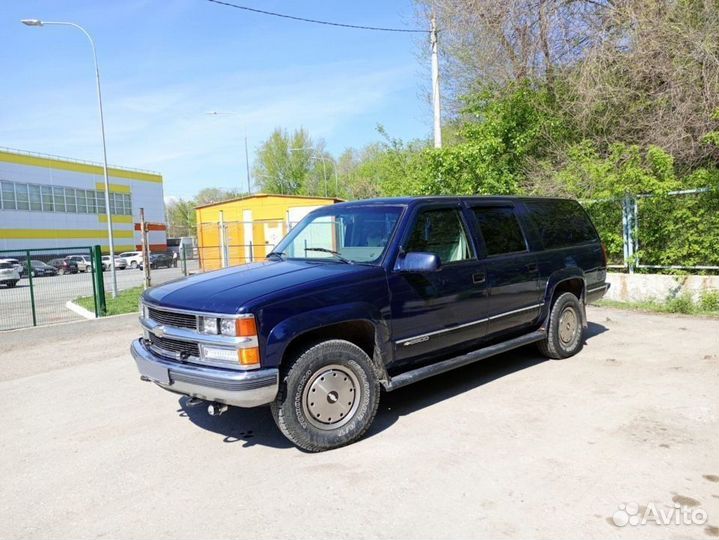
<point>335,253</point>
<point>281,255</point>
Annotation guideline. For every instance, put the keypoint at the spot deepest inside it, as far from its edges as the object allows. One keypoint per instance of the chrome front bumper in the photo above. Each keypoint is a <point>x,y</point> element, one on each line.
<point>238,388</point>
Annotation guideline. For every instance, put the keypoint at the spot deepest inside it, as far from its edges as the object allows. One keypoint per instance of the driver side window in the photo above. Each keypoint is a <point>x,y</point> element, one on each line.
<point>440,231</point>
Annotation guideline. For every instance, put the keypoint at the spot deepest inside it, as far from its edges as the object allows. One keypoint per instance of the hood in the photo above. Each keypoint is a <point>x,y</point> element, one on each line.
<point>231,289</point>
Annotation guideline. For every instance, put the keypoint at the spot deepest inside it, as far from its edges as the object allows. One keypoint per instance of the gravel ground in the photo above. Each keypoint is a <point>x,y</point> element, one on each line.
<point>516,446</point>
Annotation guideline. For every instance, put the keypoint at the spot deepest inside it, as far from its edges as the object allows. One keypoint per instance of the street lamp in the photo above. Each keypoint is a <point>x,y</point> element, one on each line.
<point>322,158</point>
<point>247,156</point>
<point>38,22</point>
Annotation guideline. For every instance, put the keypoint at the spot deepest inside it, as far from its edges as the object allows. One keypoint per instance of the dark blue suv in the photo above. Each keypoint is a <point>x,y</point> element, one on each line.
<point>373,294</point>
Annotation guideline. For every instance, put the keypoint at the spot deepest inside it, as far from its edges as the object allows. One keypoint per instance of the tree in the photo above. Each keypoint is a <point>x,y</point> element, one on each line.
<point>181,218</point>
<point>293,164</point>
<point>213,195</point>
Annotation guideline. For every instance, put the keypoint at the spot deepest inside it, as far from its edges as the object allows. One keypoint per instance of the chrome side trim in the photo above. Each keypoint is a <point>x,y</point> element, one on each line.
<point>599,288</point>
<point>506,313</point>
<point>198,313</point>
<point>185,334</point>
<point>421,338</point>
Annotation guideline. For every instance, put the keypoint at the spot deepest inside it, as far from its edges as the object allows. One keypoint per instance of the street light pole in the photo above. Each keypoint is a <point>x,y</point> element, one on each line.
<point>247,155</point>
<point>435,84</point>
<point>38,23</point>
<point>322,158</point>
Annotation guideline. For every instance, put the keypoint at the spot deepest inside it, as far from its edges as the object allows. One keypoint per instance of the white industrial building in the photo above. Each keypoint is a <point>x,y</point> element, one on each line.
<point>49,201</point>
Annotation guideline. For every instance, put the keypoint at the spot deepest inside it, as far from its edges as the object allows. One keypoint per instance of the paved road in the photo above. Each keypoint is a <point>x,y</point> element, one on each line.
<point>513,447</point>
<point>52,293</point>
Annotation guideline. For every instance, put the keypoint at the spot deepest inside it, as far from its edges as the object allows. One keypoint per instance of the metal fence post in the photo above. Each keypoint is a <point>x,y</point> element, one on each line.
<point>223,241</point>
<point>32,290</point>
<point>183,249</point>
<point>99,281</point>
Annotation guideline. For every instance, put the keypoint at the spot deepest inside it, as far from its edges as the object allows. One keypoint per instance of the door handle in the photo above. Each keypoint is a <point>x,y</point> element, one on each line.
<point>479,277</point>
<point>532,267</point>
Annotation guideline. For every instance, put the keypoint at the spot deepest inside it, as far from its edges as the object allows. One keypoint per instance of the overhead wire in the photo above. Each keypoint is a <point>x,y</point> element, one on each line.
<point>317,21</point>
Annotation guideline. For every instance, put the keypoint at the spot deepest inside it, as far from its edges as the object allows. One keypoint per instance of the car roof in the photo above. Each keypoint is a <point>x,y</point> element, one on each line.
<point>410,201</point>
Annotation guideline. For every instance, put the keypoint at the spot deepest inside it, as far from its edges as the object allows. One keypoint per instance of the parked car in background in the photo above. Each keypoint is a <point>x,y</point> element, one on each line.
<point>64,266</point>
<point>394,291</point>
<point>38,269</point>
<point>84,262</point>
<point>14,262</point>
<point>120,263</point>
<point>9,275</point>
<point>159,260</point>
<point>133,258</point>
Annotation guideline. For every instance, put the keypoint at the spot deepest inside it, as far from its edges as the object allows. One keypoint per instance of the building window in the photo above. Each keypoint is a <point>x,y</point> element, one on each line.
<point>7,189</point>
<point>59,198</point>
<point>47,204</point>
<point>39,198</point>
<point>21,197</point>
<point>70,200</point>
<point>35,198</point>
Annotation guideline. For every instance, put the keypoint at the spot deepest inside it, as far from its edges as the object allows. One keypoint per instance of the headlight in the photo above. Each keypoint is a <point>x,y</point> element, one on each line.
<point>208,325</point>
<point>143,310</point>
<point>241,327</point>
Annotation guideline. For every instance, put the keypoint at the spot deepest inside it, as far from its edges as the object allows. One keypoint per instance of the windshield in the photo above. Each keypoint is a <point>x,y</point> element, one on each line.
<point>349,235</point>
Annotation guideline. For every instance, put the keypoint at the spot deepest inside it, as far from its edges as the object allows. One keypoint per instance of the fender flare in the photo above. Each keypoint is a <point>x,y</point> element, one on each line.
<point>289,329</point>
<point>557,277</point>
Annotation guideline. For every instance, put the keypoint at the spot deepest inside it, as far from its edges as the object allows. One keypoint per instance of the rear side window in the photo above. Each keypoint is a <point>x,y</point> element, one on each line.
<point>500,230</point>
<point>560,223</point>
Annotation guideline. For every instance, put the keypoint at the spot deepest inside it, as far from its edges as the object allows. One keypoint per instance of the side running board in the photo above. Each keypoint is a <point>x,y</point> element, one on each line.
<point>408,377</point>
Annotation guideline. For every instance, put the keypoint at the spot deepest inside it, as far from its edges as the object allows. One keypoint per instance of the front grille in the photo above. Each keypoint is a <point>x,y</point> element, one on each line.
<point>180,320</point>
<point>184,348</point>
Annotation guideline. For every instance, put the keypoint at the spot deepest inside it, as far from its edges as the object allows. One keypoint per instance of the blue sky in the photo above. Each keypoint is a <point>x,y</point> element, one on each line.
<point>165,64</point>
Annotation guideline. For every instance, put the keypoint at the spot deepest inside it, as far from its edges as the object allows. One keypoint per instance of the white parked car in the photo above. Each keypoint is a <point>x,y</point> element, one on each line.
<point>9,276</point>
<point>15,263</point>
<point>133,258</point>
<point>120,263</point>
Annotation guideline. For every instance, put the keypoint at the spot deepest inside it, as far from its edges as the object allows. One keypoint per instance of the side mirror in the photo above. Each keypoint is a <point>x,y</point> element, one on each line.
<point>418,261</point>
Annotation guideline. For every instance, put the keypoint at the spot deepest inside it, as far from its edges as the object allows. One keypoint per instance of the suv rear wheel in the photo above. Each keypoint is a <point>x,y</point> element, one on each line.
<point>564,334</point>
<point>328,398</point>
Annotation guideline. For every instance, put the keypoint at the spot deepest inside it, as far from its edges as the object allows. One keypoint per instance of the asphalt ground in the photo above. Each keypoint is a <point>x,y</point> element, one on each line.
<point>512,447</point>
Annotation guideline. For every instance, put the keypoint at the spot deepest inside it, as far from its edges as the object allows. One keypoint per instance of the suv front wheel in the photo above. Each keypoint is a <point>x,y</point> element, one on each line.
<point>329,396</point>
<point>564,332</point>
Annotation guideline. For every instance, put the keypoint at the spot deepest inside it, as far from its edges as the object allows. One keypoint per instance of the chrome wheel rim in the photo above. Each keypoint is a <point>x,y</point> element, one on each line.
<point>331,397</point>
<point>568,326</point>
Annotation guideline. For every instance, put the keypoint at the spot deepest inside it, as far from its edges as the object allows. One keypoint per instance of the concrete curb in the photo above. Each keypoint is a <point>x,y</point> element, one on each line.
<point>72,306</point>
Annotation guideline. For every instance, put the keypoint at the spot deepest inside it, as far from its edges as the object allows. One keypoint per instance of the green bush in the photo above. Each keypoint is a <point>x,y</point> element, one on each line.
<point>709,300</point>
<point>681,304</point>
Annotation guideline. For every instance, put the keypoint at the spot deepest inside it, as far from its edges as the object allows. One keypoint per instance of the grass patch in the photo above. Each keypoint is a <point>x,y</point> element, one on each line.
<point>708,306</point>
<point>125,302</point>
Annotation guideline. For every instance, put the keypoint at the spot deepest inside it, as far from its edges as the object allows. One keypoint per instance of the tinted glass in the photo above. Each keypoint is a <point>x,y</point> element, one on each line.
<point>358,234</point>
<point>560,223</point>
<point>500,230</point>
<point>440,232</point>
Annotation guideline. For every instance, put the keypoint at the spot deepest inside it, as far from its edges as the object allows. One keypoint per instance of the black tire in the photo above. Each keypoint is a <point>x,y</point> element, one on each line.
<point>564,335</point>
<point>133,264</point>
<point>11,284</point>
<point>350,371</point>
<point>88,269</point>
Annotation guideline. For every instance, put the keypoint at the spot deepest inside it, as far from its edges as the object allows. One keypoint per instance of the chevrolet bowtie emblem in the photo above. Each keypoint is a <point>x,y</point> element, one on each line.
<point>159,331</point>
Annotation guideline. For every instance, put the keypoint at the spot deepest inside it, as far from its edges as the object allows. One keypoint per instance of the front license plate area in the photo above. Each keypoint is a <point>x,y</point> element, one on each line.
<point>154,372</point>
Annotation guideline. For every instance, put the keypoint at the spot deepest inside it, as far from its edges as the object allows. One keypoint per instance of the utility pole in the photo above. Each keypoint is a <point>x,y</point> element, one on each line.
<point>247,164</point>
<point>435,85</point>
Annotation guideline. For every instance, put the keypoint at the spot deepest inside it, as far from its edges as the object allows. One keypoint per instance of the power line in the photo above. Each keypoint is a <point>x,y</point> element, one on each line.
<point>315,21</point>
